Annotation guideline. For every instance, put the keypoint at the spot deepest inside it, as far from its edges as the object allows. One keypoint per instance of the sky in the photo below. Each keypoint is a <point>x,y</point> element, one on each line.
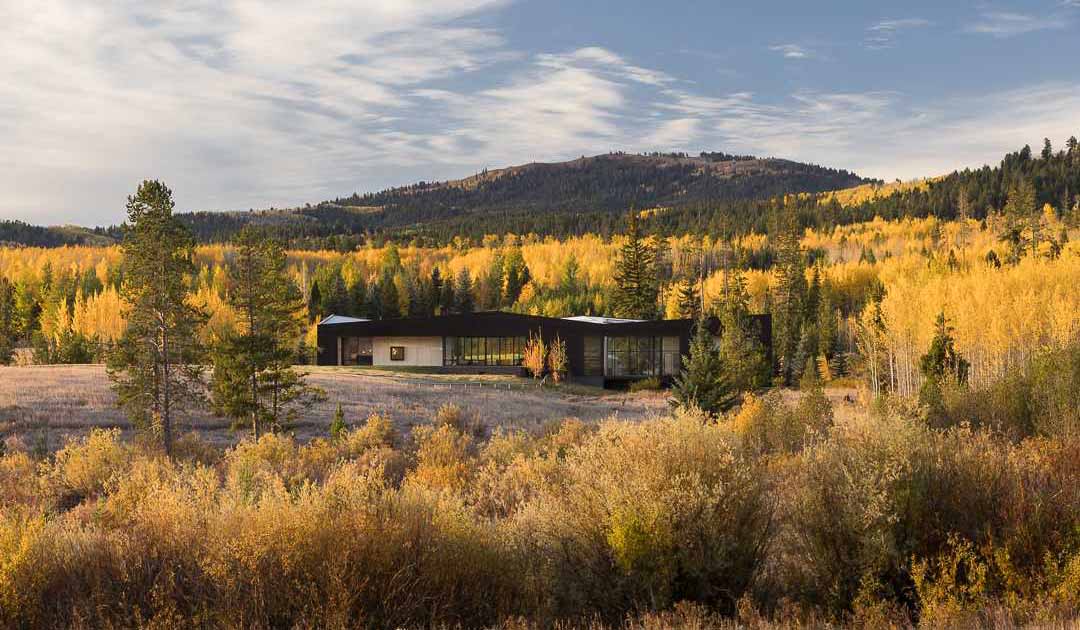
<point>240,104</point>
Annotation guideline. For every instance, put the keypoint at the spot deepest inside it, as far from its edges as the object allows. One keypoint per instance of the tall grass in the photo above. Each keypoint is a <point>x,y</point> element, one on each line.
<point>772,515</point>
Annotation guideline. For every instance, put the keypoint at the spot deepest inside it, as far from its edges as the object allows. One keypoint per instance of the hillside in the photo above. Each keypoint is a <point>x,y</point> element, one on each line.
<point>20,233</point>
<point>585,194</point>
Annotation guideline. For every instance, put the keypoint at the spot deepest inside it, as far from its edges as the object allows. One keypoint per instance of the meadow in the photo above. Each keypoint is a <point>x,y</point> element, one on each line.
<point>48,405</point>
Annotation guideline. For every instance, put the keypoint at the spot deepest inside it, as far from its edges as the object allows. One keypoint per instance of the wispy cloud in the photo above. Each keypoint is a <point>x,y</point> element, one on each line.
<point>791,51</point>
<point>883,34</point>
<point>1007,24</point>
<point>240,104</point>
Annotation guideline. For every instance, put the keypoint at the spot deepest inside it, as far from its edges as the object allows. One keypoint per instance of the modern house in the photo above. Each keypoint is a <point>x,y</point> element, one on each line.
<point>600,350</point>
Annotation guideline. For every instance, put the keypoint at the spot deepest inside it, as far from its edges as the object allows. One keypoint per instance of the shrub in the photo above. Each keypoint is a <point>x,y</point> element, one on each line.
<point>558,362</point>
<point>535,356</point>
<point>651,384</point>
<point>657,512</point>
<point>82,468</point>
<point>444,458</point>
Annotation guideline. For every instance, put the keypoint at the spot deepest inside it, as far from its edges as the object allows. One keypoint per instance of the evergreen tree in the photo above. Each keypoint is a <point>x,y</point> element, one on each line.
<point>703,381</point>
<point>942,365</point>
<point>789,299</point>
<point>463,293</point>
<point>7,320</point>
<point>517,276</point>
<point>636,288</point>
<point>435,290</point>
<point>740,347</point>
<point>253,376</point>
<point>447,298</point>
<point>1020,208</point>
<point>689,301</point>
<point>338,426</point>
<point>942,361</point>
<point>491,288</point>
<point>569,282</point>
<point>155,367</point>
<point>357,298</point>
<point>416,292</point>
<point>27,309</point>
<point>315,301</point>
<point>389,298</point>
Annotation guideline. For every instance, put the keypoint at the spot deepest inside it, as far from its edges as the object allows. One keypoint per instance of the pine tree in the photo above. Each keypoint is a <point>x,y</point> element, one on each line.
<point>446,299</point>
<point>636,288</point>
<point>416,292</point>
<point>463,293</point>
<point>491,288</point>
<point>517,276</point>
<point>253,376</point>
<point>7,320</point>
<point>689,301</point>
<point>357,297</point>
<point>1020,209</point>
<point>942,360</point>
<point>315,301</point>
<point>27,309</point>
<point>940,366</point>
<point>389,298</point>
<point>338,426</point>
<point>789,300</point>
<point>740,348</point>
<point>155,367</point>
<point>703,382</point>
<point>435,288</point>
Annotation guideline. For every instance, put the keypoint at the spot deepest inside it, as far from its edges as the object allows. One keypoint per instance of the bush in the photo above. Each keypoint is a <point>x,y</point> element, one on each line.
<point>656,512</point>
<point>651,384</point>
<point>82,468</point>
<point>773,515</point>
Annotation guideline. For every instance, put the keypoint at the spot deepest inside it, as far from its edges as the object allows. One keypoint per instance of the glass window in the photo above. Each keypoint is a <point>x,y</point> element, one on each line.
<point>502,351</point>
<point>641,356</point>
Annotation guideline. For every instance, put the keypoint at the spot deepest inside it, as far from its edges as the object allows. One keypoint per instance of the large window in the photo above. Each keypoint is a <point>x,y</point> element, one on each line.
<point>508,351</point>
<point>641,356</point>
<point>356,350</point>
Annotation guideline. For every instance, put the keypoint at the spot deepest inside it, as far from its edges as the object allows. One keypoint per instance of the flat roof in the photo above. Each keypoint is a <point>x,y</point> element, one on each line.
<point>504,324</point>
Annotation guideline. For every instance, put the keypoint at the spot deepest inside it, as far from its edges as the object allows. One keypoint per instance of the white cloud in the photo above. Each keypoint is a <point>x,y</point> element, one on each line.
<point>883,34</point>
<point>236,104</point>
<point>243,104</point>
<point>1008,24</point>
<point>791,51</point>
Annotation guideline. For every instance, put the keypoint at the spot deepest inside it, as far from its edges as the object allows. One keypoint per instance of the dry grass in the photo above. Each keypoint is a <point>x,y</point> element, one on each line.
<point>68,401</point>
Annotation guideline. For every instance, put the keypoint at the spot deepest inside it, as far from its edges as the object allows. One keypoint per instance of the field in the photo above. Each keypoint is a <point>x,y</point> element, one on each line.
<point>64,401</point>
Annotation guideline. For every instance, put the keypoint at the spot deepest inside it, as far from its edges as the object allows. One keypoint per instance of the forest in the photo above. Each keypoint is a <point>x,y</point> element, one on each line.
<point>945,496</point>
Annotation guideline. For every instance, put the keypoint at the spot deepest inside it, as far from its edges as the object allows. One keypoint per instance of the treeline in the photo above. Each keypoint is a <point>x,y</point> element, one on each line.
<point>1055,176</point>
<point>16,233</point>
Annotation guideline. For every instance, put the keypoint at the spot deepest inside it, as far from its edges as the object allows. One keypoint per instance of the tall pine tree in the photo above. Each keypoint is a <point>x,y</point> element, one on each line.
<point>636,288</point>
<point>155,367</point>
<point>788,308</point>
<point>253,377</point>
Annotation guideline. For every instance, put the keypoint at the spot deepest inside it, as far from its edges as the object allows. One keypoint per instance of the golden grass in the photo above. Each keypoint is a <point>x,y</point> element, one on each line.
<point>67,401</point>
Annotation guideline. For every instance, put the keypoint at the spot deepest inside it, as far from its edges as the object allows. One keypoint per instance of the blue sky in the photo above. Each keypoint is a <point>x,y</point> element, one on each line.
<point>239,104</point>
